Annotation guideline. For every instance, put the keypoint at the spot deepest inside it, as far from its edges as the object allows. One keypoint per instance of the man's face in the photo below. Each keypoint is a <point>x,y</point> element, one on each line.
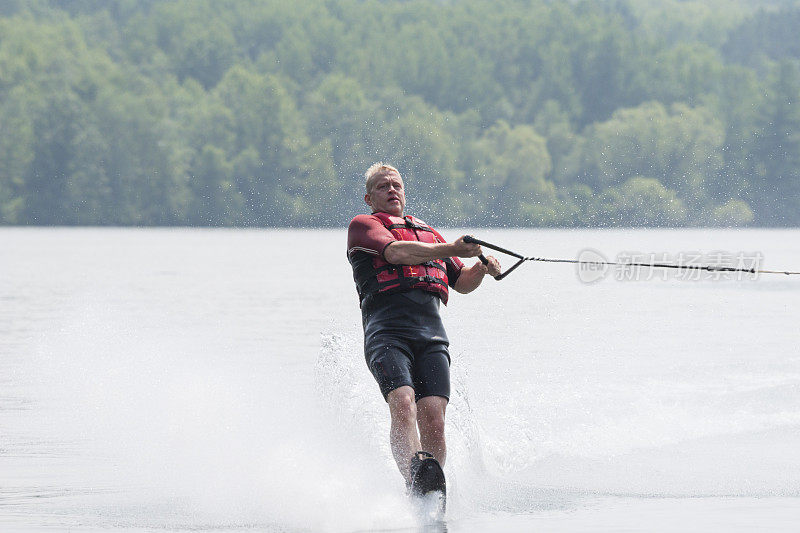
<point>387,195</point>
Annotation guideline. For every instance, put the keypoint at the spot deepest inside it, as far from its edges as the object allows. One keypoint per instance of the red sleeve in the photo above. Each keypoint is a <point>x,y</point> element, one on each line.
<point>367,234</point>
<point>454,264</point>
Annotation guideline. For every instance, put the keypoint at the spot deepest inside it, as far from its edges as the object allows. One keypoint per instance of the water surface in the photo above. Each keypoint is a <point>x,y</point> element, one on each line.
<point>213,379</point>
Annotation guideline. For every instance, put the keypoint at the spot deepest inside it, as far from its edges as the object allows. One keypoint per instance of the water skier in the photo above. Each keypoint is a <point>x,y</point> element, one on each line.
<point>402,269</point>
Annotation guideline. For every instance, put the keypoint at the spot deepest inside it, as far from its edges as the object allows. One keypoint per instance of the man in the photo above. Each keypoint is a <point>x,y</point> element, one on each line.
<point>403,268</point>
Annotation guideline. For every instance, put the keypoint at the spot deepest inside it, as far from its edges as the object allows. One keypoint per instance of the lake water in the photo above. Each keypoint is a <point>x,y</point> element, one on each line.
<point>187,379</point>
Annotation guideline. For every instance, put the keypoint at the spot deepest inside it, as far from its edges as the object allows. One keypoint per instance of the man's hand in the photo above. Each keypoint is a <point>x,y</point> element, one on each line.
<point>471,277</point>
<point>493,267</point>
<point>464,249</point>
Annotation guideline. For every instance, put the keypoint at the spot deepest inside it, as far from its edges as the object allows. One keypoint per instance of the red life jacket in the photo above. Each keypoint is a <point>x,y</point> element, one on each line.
<point>430,276</point>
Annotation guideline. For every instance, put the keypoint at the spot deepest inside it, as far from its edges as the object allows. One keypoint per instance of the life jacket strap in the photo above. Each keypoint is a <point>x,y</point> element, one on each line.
<point>410,281</point>
<point>390,266</point>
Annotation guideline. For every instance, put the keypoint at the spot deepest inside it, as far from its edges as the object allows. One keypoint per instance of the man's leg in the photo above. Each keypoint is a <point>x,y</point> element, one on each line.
<point>403,435</point>
<point>430,417</point>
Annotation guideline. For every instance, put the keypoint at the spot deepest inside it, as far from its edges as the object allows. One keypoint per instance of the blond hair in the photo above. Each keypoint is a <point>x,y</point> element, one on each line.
<point>378,169</point>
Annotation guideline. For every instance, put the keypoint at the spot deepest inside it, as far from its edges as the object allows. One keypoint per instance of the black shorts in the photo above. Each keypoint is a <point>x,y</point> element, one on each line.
<point>405,344</point>
<point>395,362</point>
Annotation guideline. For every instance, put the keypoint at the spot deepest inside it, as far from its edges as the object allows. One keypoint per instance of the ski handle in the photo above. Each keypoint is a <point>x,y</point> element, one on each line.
<point>472,240</point>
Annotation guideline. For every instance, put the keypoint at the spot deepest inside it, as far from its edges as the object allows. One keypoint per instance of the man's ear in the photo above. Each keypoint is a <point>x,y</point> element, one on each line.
<point>368,200</point>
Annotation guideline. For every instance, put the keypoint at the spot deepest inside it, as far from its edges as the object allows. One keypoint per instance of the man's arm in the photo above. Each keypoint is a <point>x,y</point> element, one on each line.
<point>414,253</point>
<point>471,277</point>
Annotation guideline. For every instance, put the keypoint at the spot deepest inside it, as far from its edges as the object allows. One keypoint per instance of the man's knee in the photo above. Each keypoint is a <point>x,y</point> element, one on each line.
<point>433,423</point>
<point>402,405</point>
<point>431,415</point>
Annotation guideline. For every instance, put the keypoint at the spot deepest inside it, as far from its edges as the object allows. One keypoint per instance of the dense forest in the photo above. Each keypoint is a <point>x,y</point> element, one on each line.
<point>497,112</point>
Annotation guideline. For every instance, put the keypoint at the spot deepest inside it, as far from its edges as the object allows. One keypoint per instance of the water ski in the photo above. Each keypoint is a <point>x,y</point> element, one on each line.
<point>428,486</point>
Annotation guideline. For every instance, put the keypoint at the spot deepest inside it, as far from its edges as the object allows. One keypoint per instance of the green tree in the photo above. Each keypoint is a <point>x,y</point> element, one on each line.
<point>215,200</point>
<point>511,164</point>
<point>294,173</point>
<point>641,201</point>
<point>679,147</point>
<point>775,156</point>
<point>16,155</point>
<point>196,48</point>
<point>732,213</point>
<point>767,35</point>
<point>267,112</point>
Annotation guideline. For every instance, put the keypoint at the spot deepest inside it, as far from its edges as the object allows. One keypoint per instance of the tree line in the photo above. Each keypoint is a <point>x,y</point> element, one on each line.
<point>498,113</point>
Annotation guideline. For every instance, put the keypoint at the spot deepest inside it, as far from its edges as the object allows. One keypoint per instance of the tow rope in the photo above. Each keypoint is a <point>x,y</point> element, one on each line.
<point>522,259</point>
